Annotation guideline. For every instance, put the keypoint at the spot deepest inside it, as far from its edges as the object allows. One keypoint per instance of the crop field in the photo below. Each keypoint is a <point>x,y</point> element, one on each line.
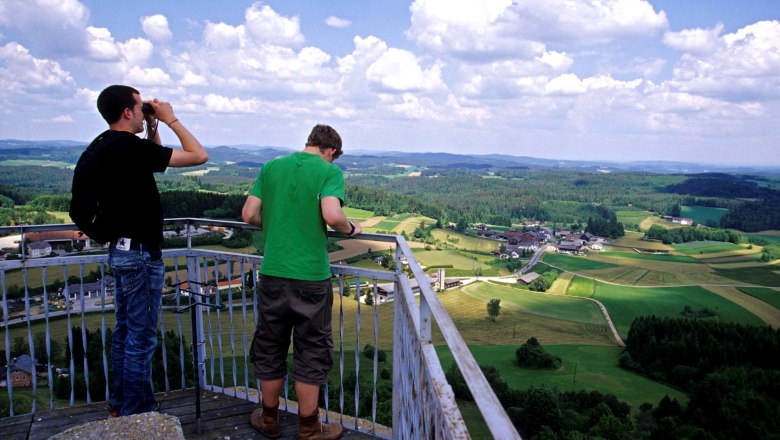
<point>767,295</point>
<point>582,287</point>
<point>356,214</point>
<point>771,236</point>
<point>462,264</point>
<point>634,240</point>
<point>625,268</point>
<point>703,214</point>
<point>707,247</point>
<point>561,284</point>
<point>33,162</point>
<point>401,223</point>
<point>552,318</point>
<point>465,242</point>
<point>626,303</point>
<point>764,275</point>
<point>596,369</point>
<point>632,216</point>
<point>768,314</point>
<point>575,264</point>
<point>650,221</point>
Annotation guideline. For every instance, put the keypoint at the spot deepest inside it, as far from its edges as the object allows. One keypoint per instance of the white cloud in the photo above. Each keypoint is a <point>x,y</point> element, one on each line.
<point>337,22</point>
<point>222,36</point>
<point>265,26</point>
<point>147,77</point>
<point>566,84</point>
<point>156,27</point>
<point>743,66</point>
<point>221,104</point>
<point>520,29</point>
<point>63,119</point>
<point>101,45</point>
<point>694,40</point>
<point>21,72</point>
<point>35,20</point>
<point>398,70</point>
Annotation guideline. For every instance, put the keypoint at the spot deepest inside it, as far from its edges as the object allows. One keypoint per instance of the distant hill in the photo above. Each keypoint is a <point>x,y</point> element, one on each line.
<point>14,148</point>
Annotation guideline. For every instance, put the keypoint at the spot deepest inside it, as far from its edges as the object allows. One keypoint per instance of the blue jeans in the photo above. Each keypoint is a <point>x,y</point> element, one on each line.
<point>139,280</point>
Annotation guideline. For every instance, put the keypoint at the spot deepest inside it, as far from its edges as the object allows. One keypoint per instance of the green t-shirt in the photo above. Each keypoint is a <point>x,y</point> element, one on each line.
<point>290,188</point>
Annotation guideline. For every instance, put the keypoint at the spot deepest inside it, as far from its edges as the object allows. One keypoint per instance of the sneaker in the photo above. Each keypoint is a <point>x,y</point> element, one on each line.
<point>112,412</point>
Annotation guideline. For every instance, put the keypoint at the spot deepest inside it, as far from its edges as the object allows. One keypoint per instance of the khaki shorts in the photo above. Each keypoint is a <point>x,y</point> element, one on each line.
<point>301,309</point>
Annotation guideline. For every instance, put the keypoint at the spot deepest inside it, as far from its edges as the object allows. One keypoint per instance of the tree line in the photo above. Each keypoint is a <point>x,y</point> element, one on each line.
<point>688,234</point>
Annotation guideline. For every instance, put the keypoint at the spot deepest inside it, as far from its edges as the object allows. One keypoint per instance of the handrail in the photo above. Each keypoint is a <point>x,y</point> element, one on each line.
<point>419,321</point>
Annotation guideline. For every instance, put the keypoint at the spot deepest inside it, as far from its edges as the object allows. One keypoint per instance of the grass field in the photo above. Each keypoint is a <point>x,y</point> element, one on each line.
<point>632,216</point>
<point>596,369</point>
<point>626,303</point>
<point>553,318</point>
<point>771,237</point>
<point>462,263</point>
<point>769,296</point>
<point>33,162</point>
<point>702,214</point>
<point>575,264</point>
<point>465,242</point>
<point>634,240</point>
<point>764,275</point>
<point>398,224</point>
<point>357,214</point>
<point>583,287</point>
<point>706,247</point>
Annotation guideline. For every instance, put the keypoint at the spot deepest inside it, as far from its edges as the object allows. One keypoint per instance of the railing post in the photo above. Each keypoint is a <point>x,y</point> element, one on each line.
<point>193,274</point>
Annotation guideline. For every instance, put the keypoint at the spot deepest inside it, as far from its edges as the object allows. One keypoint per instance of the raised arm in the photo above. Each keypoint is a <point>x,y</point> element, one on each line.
<point>192,152</point>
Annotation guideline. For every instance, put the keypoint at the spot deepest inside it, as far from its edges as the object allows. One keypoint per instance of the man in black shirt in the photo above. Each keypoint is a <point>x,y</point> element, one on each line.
<point>132,202</point>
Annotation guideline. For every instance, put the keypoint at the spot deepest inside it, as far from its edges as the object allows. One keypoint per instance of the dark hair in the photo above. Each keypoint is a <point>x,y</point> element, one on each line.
<point>324,136</point>
<point>113,100</point>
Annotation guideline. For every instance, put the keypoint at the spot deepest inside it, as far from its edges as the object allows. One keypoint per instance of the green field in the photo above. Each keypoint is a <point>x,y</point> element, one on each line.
<point>632,216</point>
<point>401,223</point>
<point>626,303</point>
<point>597,370</point>
<point>465,242</point>
<point>580,286</point>
<point>654,257</point>
<point>772,238</point>
<point>703,215</point>
<point>765,275</point>
<point>574,264</point>
<point>769,296</point>
<point>463,264</point>
<point>357,214</point>
<point>33,162</point>
<point>706,247</point>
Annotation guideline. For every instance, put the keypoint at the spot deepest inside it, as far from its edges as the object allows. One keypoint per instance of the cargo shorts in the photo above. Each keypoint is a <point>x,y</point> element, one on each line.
<point>297,308</point>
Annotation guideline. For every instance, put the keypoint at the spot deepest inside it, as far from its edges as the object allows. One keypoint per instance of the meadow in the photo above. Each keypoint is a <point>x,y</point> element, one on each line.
<point>465,242</point>
<point>703,215</point>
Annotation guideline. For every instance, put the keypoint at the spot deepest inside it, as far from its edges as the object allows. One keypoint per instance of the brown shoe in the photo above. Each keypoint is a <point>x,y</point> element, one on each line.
<point>266,420</point>
<point>310,428</point>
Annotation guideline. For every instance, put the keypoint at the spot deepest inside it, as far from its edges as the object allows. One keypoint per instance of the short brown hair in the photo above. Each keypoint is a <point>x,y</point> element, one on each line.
<point>113,100</point>
<point>324,136</point>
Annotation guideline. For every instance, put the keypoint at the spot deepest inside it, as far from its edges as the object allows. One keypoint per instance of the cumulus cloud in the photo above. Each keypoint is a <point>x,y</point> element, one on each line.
<point>156,27</point>
<point>21,72</point>
<point>63,119</point>
<point>740,66</point>
<point>337,22</point>
<point>222,104</point>
<point>34,20</point>
<point>265,26</point>
<point>506,29</point>
<point>398,70</point>
<point>695,40</point>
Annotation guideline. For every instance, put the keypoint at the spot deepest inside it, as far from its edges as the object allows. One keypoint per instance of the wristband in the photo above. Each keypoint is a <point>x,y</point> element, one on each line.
<point>351,231</point>
<point>172,122</point>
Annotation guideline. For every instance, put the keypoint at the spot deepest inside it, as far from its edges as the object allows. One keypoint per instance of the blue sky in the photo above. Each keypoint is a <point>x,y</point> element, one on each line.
<point>567,79</point>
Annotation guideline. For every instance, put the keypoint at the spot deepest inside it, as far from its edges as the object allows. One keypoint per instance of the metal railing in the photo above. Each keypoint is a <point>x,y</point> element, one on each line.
<point>423,403</point>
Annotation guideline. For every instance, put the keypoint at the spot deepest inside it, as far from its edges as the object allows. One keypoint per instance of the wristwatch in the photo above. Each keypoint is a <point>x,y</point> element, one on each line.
<point>351,231</point>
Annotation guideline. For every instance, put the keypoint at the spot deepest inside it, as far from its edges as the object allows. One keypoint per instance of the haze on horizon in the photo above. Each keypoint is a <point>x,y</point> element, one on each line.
<point>617,80</point>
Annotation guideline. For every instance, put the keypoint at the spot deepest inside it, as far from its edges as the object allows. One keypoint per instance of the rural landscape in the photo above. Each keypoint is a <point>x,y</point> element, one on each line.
<point>652,312</point>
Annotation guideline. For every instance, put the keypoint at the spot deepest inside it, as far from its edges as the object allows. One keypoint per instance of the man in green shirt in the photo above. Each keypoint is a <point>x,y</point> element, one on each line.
<point>294,199</point>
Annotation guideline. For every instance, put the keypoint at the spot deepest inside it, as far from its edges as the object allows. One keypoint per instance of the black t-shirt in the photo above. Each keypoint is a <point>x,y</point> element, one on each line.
<point>128,164</point>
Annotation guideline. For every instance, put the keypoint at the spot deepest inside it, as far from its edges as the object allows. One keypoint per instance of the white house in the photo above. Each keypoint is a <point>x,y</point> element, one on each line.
<point>38,249</point>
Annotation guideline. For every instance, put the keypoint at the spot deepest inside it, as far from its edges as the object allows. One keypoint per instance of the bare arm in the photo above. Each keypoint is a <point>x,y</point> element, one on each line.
<point>251,213</point>
<point>192,152</point>
<point>335,218</point>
